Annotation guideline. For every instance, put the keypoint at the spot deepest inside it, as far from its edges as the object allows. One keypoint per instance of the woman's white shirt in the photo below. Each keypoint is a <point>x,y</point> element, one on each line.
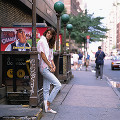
<point>43,46</point>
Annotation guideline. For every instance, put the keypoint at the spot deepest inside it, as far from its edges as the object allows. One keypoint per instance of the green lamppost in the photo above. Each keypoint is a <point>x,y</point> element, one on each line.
<point>65,19</point>
<point>58,7</point>
<point>69,28</point>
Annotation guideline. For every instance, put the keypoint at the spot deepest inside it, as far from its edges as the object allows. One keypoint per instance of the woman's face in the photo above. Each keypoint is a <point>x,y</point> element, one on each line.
<point>48,35</point>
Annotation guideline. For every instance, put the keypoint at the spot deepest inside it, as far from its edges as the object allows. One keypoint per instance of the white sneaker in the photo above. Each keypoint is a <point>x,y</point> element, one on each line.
<point>51,111</point>
<point>46,108</point>
<point>45,105</point>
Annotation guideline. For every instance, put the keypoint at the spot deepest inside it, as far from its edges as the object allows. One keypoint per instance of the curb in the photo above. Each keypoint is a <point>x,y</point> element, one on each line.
<point>37,115</point>
<point>114,85</point>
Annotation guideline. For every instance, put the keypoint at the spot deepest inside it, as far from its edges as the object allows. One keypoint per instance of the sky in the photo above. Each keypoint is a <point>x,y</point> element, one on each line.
<point>99,8</point>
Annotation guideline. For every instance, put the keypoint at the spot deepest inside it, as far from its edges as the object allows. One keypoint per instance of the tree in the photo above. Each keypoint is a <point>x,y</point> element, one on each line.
<point>85,24</point>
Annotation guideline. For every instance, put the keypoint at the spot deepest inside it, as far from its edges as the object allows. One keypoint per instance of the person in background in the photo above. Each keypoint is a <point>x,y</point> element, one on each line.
<point>87,61</point>
<point>47,67</point>
<point>99,62</point>
<point>80,61</point>
<point>75,60</point>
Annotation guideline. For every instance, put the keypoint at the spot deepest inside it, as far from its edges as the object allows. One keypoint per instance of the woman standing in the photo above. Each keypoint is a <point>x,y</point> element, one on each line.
<point>47,67</point>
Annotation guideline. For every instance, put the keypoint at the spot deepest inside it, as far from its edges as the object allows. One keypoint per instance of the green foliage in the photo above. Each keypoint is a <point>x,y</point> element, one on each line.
<point>64,11</point>
<point>30,41</point>
<point>85,24</point>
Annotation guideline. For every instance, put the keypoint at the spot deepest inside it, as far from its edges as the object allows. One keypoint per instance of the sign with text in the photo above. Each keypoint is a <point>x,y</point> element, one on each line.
<point>15,66</point>
<point>19,38</point>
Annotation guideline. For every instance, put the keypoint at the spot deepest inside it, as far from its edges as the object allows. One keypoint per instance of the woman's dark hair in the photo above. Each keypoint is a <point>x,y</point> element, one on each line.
<point>52,40</point>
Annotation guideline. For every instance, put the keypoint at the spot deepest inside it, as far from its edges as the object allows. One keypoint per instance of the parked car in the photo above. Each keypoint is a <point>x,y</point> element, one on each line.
<point>115,62</point>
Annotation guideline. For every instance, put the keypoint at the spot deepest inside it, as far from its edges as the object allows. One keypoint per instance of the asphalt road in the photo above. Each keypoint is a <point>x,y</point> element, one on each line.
<point>113,75</point>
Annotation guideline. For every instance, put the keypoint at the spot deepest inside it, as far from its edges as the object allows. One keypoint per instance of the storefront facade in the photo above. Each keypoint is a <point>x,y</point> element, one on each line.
<point>20,11</point>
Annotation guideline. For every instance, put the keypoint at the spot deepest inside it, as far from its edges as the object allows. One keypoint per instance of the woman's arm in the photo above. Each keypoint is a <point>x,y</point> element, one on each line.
<point>46,61</point>
<point>53,64</point>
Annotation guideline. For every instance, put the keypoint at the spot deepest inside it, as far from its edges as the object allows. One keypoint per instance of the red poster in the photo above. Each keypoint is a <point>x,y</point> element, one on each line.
<point>19,38</point>
<point>60,42</point>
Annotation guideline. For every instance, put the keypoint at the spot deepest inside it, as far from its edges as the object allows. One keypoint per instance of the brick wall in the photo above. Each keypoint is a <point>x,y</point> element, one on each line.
<point>13,11</point>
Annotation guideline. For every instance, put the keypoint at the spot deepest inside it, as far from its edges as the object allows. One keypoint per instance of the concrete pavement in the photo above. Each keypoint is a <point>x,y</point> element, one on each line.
<point>85,98</point>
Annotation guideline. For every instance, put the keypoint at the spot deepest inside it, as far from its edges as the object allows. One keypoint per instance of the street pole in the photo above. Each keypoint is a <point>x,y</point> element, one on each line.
<point>58,21</point>
<point>33,100</point>
<point>87,42</point>
<point>69,42</point>
<point>65,19</point>
<point>69,28</point>
<point>64,37</point>
<point>33,25</point>
<point>86,48</point>
<point>58,7</point>
<point>84,51</point>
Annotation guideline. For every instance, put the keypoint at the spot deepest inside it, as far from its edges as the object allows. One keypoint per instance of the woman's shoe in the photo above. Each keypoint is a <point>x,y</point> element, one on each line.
<point>46,108</point>
<point>45,105</point>
<point>51,111</point>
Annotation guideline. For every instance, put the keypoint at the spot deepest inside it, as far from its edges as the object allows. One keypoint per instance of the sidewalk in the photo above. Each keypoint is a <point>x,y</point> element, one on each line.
<point>85,98</point>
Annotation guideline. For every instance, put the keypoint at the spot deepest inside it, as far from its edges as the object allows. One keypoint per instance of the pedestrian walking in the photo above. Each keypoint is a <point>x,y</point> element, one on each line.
<point>47,67</point>
<point>99,62</point>
<point>75,60</point>
<point>80,61</point>
<point>87,61</point>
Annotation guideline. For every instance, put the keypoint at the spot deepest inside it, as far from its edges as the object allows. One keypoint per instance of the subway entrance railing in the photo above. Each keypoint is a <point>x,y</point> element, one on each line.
<point>20,78</point>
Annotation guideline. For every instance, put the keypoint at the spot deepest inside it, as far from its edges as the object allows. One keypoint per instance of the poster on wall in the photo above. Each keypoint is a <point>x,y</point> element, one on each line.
<point>19,38</point>
<point>60,43</point>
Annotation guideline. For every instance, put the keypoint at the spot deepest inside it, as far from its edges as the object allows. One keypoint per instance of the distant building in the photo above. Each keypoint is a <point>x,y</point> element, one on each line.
<point>112,43</point>
<point>73,6</point>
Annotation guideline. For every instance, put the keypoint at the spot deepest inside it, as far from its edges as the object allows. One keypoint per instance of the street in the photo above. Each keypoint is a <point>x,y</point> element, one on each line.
<point>113,75</point>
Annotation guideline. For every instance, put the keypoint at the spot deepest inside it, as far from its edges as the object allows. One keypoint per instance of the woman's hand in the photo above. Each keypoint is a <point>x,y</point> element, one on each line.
<point>51,69</point>
<point>47,62</point>
<point>53,64</point>
<point>54,68</point>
